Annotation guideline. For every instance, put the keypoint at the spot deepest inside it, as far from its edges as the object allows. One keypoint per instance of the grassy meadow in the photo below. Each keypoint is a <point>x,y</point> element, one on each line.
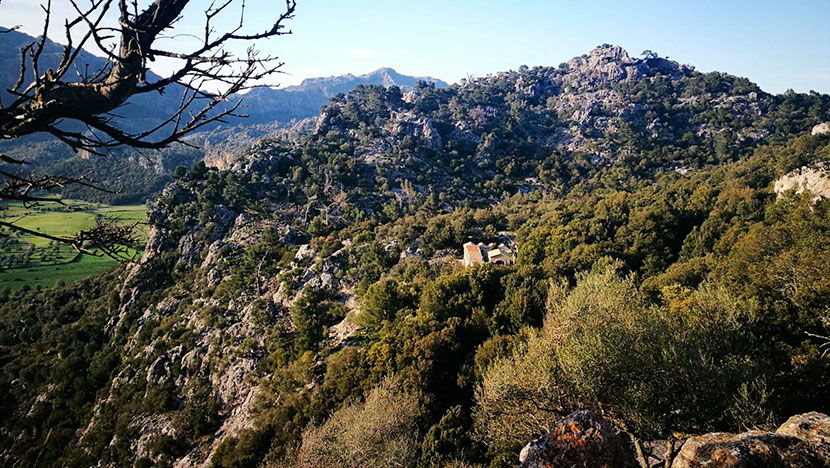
<point>29,260</point>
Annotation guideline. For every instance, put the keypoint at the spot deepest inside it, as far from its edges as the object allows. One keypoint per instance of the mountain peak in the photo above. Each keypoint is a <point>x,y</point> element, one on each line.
<point>610,52</point>
<point>388,76</point>
<point>384,76</point>
<point>381,70</point>
<point>608,64</point>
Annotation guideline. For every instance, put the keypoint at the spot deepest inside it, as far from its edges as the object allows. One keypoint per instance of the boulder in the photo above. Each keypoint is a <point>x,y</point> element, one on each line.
<point>579,439</point>
<point>821,129</point>
<point>159,370</point>
<point>810,427</point>
<point>815,178</point>
<point>242,220</point>
<point>305,251</point>
<point>214,253</point>
<point>802,442</point>
<point>225,216</point>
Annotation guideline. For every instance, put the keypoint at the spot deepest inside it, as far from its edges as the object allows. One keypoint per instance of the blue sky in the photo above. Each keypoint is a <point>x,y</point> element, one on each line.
<point>779,45</point>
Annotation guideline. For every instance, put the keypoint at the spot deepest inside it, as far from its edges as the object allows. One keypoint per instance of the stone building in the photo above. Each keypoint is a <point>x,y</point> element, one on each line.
<point>500,256</point>
<point>476,254</point>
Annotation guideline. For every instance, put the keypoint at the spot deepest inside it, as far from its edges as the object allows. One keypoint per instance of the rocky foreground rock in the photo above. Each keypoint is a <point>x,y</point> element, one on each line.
<point>579,439</point>
<point>750,449</point>
<point>583,440</point>
<point>811,427</point>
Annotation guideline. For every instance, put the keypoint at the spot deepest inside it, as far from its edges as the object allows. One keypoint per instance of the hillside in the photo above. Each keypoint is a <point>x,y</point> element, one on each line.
<point>307,306</point>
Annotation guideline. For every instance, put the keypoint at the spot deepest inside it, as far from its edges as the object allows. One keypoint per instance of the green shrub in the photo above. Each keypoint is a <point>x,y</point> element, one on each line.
<point>382,431</point>
<point>650,369</point>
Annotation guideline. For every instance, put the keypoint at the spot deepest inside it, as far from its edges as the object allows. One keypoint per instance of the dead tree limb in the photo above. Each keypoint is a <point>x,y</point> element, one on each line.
<point>208,76</point>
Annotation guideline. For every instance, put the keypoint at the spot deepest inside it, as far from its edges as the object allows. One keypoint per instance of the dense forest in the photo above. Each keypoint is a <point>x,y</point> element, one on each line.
<point>307,306</point>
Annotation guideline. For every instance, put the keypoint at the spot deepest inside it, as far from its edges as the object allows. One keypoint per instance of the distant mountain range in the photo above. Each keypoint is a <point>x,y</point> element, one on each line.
<point>144,111</point>
<point>269,110</point>
<point>265,105</point>
<point>262,105</point>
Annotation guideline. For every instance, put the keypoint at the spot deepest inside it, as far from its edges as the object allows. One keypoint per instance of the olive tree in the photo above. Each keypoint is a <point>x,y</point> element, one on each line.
<point>382,431</point>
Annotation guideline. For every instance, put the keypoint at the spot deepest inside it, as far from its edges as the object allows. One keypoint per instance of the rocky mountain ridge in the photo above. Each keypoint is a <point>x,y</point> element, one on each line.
<point>293,103</point>
<point>585,101</point>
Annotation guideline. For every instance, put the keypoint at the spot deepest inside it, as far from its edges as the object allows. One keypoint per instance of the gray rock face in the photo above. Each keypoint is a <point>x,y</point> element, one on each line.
<point>811,427</point>
<point>405,124</point>
<point>601,65</point>
<point>802,441</point>
<point>579,439</point>
<point>821,129</point>
<point>815,178</point>
<point>750,449</point>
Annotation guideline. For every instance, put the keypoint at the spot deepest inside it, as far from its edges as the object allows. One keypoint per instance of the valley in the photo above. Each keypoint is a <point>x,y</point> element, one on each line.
<point>28,260</point>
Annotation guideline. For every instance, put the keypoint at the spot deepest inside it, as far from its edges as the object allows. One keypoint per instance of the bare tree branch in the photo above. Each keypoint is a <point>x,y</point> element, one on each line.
<point>49,99</point>
<point>108,237</point>
<point>43,100</point>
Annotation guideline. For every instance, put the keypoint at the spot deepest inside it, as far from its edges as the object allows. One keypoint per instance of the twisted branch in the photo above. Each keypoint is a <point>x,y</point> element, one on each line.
<point>48,98</point>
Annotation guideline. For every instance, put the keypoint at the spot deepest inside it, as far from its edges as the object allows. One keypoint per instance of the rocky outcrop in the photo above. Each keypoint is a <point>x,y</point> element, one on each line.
<point>821,129</point>
<point>585,95</point>
<point>607,63</point>
<point>579,439</point>
<point>811,427</point>
<point>800,442</point>
<point>815,178</point>
<point>407,124</point>
<point>582,439</point>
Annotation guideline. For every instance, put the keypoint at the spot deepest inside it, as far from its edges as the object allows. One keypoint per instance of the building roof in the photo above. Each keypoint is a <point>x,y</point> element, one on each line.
<point>496,253</point>
<point>472,253</point>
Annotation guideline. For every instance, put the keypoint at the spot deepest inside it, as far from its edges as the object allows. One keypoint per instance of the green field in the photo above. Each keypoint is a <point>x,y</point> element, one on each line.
<point>32,260</point>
